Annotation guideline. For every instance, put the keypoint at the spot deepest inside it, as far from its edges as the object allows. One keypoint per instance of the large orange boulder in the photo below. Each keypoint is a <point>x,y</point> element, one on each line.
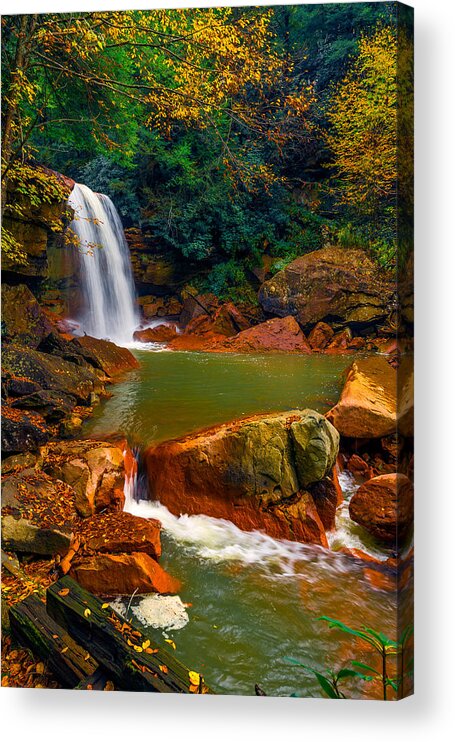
<point>119,533</point>
<point>255,472</point>
<point>384,507</point>
<point>275,335</point>
<point>320,336</point>
<point>123,574</point>
<point>367,407</point>
<point>335,284</point>
<point>159,334</point>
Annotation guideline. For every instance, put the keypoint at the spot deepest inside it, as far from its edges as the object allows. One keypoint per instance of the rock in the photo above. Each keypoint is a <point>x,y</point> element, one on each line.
<point>94,469</point>
<point>23,320</point>
<point>275,335</point>
<point>325,498</point>
<point>252,471</point>
<point>228,320</point>
<point>38,514</point>
<point>405,386</point>
<point>384,507</point>
<point>159,334</point>
<point>159,306</point>
<point>340,342</point>
<point>368,402</point>
<point>20,461</point>
<point>119,533</point>
<point>123,574</point>
<point>50,372</point>
<point>358,466</point>
<point>320,336</point>
<point>357,343</point>
<point>194,306</point>
<point>53,406</point>
<point>112,359</point>
<point>56,345</point>
<point>337,285</point>
<point>23,430</point>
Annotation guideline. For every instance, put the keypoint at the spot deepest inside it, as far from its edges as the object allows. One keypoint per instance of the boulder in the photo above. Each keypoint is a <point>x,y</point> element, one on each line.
<point>320,336</point>
<point>123,574</point>
<point>94,469</point>
<point>275,335</point>
<point>119,533</point>
<point>336,285</point>
<point>112,359</point>
<point>340,342</point>
<point>384,507</point>
<point>23,320</point>
<point>160,306</point>
<point>38,514</point>
<point>23,430</point>
<point>53,406</point>
<point>194,306</point>
<point>50,372</point>
<point>228,320</point>
<point>367,407</point>
<point>253,472</point>
<point>159,334</point>
<point>326,500</point>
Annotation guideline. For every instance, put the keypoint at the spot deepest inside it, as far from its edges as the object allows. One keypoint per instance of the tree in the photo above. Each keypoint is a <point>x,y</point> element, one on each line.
<point>363,131</point>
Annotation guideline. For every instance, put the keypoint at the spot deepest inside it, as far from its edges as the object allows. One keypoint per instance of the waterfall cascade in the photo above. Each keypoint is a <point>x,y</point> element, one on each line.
<point>109,301</point>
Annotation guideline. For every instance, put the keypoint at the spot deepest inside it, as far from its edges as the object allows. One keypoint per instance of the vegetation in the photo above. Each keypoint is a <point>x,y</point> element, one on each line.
<point>226,133</point>
<point>388,650</point>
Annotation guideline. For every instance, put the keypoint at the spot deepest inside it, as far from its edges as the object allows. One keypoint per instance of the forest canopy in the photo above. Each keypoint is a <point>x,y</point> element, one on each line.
<point>225,133</point>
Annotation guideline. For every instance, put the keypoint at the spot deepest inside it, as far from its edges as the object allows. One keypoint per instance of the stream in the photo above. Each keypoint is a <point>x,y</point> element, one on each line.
<point>248,601</point>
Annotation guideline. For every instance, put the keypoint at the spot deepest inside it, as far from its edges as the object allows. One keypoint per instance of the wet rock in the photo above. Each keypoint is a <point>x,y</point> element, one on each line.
<point>367,407</point>
<point>358,466</point>
<point>23,320</point>
<point>160,306</point>
<point>159,334</point>
<point>326,500</point>
<point>336,285</point>
<point>38,514</point>
<point>123,574</point>
<point>228,320</point>
<point>252,471</point>
<point>23,430</point>
<point>53,406</point>
<point>275,335</point>
<point>340,342</point>
<point>20,461</point>
<point>384,507</point>
<point>50,372</point>
<point>119,533</point>
<point>320,336</point>
<point>94,469</point>
<point>112,359</point>
<point>194,306</point>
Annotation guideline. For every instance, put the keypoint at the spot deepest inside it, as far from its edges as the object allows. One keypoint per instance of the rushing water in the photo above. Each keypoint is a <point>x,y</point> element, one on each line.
<point>108,294</point>
<point>254,600</point>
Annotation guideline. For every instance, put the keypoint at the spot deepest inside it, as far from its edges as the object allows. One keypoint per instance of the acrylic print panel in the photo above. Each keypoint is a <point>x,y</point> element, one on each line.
<point>207,322</point>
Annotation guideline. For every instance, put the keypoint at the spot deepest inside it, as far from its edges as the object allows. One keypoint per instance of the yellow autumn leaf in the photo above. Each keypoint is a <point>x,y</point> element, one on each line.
<point>146,644</point>
<point>104,606</point>
<point>195,678</point>
<point>137,648</point>
<point>87,612</point>
<point>173,644</point>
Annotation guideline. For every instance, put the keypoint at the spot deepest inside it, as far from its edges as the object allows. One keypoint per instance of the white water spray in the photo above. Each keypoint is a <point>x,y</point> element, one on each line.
<point>109,301</point>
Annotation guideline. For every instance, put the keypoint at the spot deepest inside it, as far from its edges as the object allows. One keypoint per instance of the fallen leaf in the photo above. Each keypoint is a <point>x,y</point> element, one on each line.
<point>40,668</point>
<point>164,669</point>
<point>151,651</point>
<point>65,649</point>
<point>173,644</point>
<point>109,685</point>
<point>194,689</point>
<point>146,644</point>
<point>137,648</point>
<point>195,678</point>
<point>87,612</point>
<point>64,591</point>
<point>104,606</point>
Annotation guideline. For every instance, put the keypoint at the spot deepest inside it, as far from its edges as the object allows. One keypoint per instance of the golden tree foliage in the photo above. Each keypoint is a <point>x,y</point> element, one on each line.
<point>363,118</point>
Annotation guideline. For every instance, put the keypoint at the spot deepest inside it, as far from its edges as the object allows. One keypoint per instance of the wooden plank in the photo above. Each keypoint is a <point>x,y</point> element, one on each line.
<point>127,654</point>
<point>34,628</point>
<point>97,681</point>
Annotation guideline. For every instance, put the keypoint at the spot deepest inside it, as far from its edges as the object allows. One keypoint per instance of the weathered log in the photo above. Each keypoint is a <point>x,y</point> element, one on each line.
<point>34,628</point>
<point>97,681</point>
<point>127,654</point>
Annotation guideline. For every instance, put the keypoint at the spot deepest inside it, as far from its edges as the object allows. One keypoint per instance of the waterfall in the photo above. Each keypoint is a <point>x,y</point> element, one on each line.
<point>108,294</point>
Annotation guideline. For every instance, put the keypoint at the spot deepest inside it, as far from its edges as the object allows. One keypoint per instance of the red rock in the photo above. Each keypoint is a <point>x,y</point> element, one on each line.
<point>357,343</point>
<point>336,484</point>
<point>275,335</point>
<point>325,497</point>
<point>123,574</point>
<point>358,466</point>
<point>228,320</point>
<point>340,342</point>
<point>320,336</point>
<point>159,334</point>
<point>384,506</point>
<point>119,533</point>
<point>112,359</point>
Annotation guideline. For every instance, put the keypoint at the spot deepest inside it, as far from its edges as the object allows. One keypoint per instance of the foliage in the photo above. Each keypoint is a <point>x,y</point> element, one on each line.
<point>386,648</point>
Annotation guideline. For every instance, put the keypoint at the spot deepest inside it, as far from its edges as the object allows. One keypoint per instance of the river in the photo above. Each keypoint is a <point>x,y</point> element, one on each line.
<point>253,601</point>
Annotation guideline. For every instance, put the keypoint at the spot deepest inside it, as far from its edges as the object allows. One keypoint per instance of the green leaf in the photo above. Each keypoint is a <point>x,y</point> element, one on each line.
<point>326,686</point>
<point>365,667</point>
